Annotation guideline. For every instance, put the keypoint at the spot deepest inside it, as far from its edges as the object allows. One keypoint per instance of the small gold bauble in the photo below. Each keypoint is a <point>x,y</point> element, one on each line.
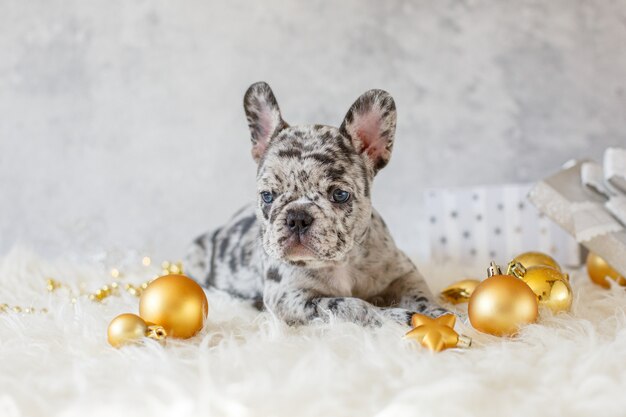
<point>599,271</point>
<point>501,304</point>
<point>125,329</point>
<point>459,292</point>
<point>529,259</point>
<point>551,287</point>
<point>175,302</point>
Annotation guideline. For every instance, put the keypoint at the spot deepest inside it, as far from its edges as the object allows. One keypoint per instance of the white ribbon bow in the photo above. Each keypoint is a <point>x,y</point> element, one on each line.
<point>592,219</point>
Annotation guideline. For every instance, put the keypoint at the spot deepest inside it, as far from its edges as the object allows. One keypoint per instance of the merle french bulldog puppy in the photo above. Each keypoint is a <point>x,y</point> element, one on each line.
<point>312,246</point>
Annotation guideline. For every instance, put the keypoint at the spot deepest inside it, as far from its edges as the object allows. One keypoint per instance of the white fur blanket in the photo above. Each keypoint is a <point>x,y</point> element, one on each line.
<point>246,363</point>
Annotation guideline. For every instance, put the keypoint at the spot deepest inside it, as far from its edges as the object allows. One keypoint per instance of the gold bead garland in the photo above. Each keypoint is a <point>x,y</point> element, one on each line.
<point>6,308</point>
<point>52,284</point>
<point>113,288</point>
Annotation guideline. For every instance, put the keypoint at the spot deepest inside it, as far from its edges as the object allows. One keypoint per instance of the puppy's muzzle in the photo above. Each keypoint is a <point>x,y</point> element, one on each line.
<point>298,221</point>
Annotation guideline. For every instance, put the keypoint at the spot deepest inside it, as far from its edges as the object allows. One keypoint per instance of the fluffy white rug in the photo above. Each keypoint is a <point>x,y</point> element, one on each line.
<point>246,363</point>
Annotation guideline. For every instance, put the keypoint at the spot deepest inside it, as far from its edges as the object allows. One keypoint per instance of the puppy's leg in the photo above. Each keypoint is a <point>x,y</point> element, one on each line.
<point>300,306</point>
<point>411,292</point>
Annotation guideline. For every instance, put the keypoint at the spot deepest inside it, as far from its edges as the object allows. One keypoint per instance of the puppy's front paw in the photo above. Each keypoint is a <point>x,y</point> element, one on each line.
<point>409,318</point>
<point>399,315</point>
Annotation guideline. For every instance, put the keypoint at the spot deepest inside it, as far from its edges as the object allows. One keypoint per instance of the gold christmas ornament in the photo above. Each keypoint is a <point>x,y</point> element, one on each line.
<point>130,328</point>
<point>599,271</point>
<point>549,285</point>
<point>436,334</point>
<point>175,302</point>
<point>501,304</point>
<point>114,288</point>
<point>52,284</point>
<point>459,292</point>
<point>5,308</point>
<point>529,259</point>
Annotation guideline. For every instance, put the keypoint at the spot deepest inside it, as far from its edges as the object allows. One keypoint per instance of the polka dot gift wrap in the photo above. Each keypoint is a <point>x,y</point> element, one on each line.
<point>477,224</point>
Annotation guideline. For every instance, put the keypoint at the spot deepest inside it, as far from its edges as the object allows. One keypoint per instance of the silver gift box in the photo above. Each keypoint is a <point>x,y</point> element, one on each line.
<point>556,195</point>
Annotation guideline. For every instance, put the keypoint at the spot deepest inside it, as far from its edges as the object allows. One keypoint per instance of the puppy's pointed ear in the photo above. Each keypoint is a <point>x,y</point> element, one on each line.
<point>263,115</point>
<point>371,126</point>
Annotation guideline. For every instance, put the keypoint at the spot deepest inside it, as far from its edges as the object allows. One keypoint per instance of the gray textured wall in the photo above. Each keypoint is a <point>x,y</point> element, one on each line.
<point>121,122</point>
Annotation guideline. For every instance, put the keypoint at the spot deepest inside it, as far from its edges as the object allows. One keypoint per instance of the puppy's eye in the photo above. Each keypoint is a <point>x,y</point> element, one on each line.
<point>339,196</point>
<point>267,197</point>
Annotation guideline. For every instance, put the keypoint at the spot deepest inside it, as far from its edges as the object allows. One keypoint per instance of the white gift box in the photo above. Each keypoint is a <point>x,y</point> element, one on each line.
<point>478,224</point>
<point>583,212</point>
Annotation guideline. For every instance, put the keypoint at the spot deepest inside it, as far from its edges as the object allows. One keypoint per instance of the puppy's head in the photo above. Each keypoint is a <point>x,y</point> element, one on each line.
<point>314,181</point>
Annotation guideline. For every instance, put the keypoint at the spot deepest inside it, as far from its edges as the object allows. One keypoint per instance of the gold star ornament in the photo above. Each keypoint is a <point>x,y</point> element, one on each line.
<point>459,292</point>
<point>436,334</point>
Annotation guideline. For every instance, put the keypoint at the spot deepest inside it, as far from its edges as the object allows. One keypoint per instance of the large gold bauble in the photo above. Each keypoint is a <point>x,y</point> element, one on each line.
<point>459,292</point>
<point>599,271</point>
<point>551,287</point>
<point>175,302</point>
<point>530,259</point>
<point>501,304</point>
<point>125,329</point>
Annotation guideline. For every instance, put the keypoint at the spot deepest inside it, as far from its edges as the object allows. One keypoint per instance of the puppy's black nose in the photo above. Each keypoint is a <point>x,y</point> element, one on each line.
<point>299,221</point>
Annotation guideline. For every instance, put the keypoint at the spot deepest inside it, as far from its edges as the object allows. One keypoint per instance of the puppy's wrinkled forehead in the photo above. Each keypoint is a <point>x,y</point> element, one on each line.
<point>353,153</point>
<point>313,157</point>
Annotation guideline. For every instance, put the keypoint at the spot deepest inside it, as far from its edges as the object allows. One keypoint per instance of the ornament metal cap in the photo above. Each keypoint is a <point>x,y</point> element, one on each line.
<point>464,341</point>
<point>156,332</point>
<point>493,269</point>
<point>516,269</point>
